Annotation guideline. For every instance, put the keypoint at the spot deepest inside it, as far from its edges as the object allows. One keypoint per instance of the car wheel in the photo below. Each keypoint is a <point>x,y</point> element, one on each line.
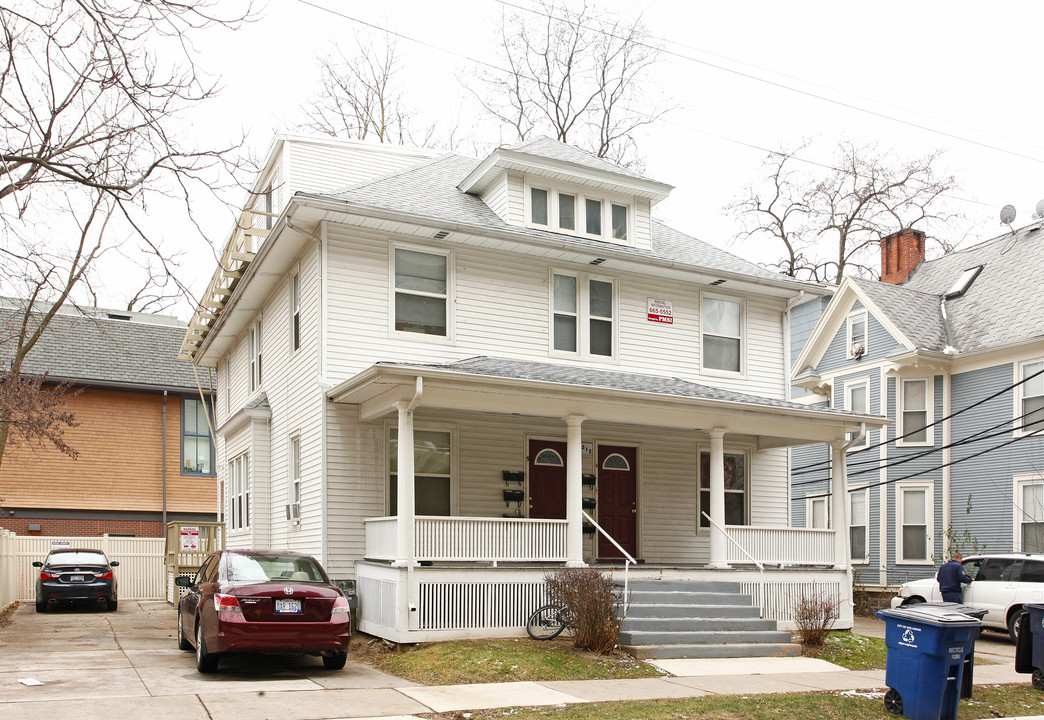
<point>205,662</point>
<point>1013,624</point>
<point>913,601</point>
<point>183,643</point>
<point>41,607</point>
<point>335,661</point>
<point>111,605</point>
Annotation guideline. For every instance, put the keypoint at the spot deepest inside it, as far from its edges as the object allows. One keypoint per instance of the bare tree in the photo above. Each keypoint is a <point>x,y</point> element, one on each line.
<point>828,221</point>
<point>88,110</point>
<point>575,74</point>
<point>359,97</point>
<point>35,414</point>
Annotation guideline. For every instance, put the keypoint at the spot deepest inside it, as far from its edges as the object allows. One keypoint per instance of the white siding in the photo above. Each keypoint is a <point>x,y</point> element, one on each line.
<point>321,167</point>
<point>496,196</point>
<point>642,224</point>
<point>516,199</point>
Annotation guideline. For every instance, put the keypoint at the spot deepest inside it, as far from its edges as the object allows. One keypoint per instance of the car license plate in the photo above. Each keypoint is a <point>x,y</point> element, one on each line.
<point>288,606</point>
<point>76,578</point>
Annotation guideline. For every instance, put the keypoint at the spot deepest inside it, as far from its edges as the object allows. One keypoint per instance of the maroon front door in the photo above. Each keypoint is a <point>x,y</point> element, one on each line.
<point>547,479</point>
<point>618,500</point>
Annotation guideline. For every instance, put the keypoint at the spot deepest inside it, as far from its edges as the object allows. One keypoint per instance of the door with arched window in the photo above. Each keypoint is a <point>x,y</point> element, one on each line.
<point>618,500</point>
<point>547,479</point>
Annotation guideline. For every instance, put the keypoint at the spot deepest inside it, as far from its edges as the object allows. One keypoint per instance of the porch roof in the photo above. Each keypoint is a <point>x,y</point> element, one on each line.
<point>538,389</point>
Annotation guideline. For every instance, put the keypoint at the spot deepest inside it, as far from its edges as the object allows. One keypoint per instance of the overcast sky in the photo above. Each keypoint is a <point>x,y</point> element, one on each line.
<point>915,77</point>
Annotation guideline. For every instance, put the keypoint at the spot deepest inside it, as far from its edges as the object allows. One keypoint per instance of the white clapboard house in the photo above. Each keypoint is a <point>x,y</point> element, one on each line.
<point>506,344</point>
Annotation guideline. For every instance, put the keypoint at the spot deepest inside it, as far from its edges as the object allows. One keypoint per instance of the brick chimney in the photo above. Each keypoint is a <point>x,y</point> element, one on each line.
<point>901,252</point>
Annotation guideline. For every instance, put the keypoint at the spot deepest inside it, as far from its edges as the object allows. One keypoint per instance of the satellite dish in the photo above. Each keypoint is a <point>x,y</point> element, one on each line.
<point>1007,214</point>
<point>1039,211</point>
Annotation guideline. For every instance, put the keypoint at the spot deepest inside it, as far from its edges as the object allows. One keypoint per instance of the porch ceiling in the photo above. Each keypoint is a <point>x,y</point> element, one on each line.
<point>531,389</point>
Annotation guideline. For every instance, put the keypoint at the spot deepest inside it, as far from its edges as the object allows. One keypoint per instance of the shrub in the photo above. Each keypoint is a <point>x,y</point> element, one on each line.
<point>813,615</point>
<point>591,597</point>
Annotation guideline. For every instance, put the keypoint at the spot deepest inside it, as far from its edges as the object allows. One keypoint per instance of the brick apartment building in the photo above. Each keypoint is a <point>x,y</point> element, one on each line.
<point>136,405</point>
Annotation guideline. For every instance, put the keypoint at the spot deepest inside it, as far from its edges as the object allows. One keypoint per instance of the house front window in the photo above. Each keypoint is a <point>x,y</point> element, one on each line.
<point>915,511</point>
<point>255,356</point>
<point>538,206</point>
<point>857,529</point>
<point>593,210</point>
<point>857,399</point>
<point>1030,515</point>
<point>619,216</point>
<point>197,450</point>
<point>421,292</point>
<point>239,492</point>
<point>735,488</point>
<point>295,312</point>
<point>294,491</point>
<point>915,395</point>
<point>722,322</point>
<point>816,513</point>
<point>582,315</point>
<point>857,345</point>
<point>432,471</point>
<point>1032,397</point>
<point>566,211</point>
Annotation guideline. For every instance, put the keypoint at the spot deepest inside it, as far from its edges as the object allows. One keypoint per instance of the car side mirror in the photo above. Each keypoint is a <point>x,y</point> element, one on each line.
<point>183,581</point>
<point>37,563</point>
<point>114,563</point>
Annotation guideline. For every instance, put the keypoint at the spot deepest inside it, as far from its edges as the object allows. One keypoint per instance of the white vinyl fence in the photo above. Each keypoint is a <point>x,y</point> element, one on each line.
<point>141,574</point>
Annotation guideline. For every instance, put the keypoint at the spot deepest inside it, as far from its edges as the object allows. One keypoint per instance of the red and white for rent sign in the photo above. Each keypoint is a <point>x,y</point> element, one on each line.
<point>661,311</point>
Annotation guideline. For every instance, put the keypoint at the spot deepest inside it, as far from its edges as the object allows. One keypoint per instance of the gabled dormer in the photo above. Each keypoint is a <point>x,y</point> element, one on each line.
<point>547,185</point>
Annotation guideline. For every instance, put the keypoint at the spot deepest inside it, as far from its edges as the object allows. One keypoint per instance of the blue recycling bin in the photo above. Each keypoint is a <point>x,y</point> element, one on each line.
<point>969,659</point>
<point>927,650</point>
<point>1029,650</point>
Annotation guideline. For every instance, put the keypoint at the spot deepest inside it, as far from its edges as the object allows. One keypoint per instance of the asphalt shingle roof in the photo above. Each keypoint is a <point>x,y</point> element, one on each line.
<point>429,190</point>
<point>1004,305</point>
<point>546,147</point>
<point>99,350</point>
<point>605,379</point>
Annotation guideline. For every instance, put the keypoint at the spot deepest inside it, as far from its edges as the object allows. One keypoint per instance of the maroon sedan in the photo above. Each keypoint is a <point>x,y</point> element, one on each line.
<point>272,602</point>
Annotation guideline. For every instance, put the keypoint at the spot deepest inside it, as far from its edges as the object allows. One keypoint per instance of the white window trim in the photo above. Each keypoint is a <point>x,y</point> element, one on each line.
<point>706,448</point>
<point>583,317</point>
<point>851,384</point>
<point>450,293</point>
<point>929,403</point>
<point>295,312</point>
<point>239,470</point>
<point>866,495</point>
<point>581,195</point>
<point>865,315</point>
<point>452,429</point>
<point>294,479</point>
<point>1017,430</point>
<point>929,512</point>
<point>810,502</point>
<point>714,372</point>
<point>1018,481</point>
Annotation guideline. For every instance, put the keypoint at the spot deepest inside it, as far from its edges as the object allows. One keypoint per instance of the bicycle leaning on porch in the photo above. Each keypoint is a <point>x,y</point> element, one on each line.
<point>548,622</point>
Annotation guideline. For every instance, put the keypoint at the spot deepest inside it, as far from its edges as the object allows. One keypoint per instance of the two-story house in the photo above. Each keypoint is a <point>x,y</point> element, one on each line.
<point>951,351</point>
<point>430,367</point>
<point>144,452</point>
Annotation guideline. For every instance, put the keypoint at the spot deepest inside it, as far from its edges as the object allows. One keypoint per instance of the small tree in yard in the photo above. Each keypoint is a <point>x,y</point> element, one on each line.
<point>592,598</point>
<point>813,614</point>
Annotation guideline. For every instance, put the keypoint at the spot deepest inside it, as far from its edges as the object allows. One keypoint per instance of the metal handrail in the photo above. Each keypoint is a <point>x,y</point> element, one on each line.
<point>627,556</point>
<point>761,568</point>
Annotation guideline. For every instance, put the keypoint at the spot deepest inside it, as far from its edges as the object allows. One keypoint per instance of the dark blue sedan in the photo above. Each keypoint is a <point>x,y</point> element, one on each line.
<point>75,574</point>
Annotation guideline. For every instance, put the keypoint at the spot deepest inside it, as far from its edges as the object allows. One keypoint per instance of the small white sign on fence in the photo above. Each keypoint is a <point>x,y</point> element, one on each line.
<point>189,538</point>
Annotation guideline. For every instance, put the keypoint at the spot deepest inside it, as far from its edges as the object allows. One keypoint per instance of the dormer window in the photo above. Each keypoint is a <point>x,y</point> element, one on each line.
<point>538,206</point>
<point>566,212</point>
<point>574,211</point>
<point>594,217</point>
<point>619,222</point>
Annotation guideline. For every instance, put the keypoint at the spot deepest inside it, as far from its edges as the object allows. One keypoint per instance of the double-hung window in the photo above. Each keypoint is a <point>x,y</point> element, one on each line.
<point>735,488</point>
<point>857,346</point>
<point>582,315</point>
<point>1030,514</point>
<point>857,529</point>
<point>914,403</point>
<point>915,513</point>
<point>1031,408</point>
<point>196,447</point>
<point>722,322</point>
<point>857,399</point>
<point>432,472</point>
<point>295,311</point>
<point>816,513</point>
<point>239,492</point>
<point>255,356</point>
<point>294,491</point>
<point>422,282</point>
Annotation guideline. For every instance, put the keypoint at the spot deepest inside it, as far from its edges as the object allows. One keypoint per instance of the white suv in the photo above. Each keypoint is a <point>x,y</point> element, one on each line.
<point>1001,585</point>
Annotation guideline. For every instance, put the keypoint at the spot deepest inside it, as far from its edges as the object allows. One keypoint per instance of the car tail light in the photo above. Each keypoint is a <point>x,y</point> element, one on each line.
<point>49,576</point>
<point>226,603</point>
<point>340,606</point>
<point>107,575</point>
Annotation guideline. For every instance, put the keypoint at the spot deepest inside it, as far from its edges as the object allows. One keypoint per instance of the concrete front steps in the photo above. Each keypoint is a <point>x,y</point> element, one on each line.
<point>683,619</point>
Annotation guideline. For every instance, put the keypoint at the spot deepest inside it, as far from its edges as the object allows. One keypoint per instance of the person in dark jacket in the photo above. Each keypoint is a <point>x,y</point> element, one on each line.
<point>951,577</point>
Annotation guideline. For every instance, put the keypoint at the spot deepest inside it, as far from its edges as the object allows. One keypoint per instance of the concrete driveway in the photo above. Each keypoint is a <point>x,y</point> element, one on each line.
<point>125,664</point>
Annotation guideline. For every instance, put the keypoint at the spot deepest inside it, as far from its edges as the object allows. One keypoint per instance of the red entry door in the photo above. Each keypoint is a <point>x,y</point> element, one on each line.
<point>618,500</point>
<point>547,479</point>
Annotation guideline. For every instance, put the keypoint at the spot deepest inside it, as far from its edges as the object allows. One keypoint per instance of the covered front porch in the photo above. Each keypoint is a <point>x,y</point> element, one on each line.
<point>647,477</point>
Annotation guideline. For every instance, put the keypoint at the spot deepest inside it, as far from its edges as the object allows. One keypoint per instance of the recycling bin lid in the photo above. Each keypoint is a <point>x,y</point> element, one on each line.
<point>929,615</point>
<point>1034,606</point>
<point>972,611</point>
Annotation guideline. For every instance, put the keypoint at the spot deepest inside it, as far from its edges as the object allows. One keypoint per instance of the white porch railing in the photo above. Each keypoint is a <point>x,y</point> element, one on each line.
<point>780,545</point>
<point>472,539</point>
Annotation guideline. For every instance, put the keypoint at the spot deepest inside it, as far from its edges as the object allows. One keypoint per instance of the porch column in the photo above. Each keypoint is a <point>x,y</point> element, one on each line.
<point>574,492</point>
<point>839,503</point>
<point>718,547</point>
<point>404,488</point>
